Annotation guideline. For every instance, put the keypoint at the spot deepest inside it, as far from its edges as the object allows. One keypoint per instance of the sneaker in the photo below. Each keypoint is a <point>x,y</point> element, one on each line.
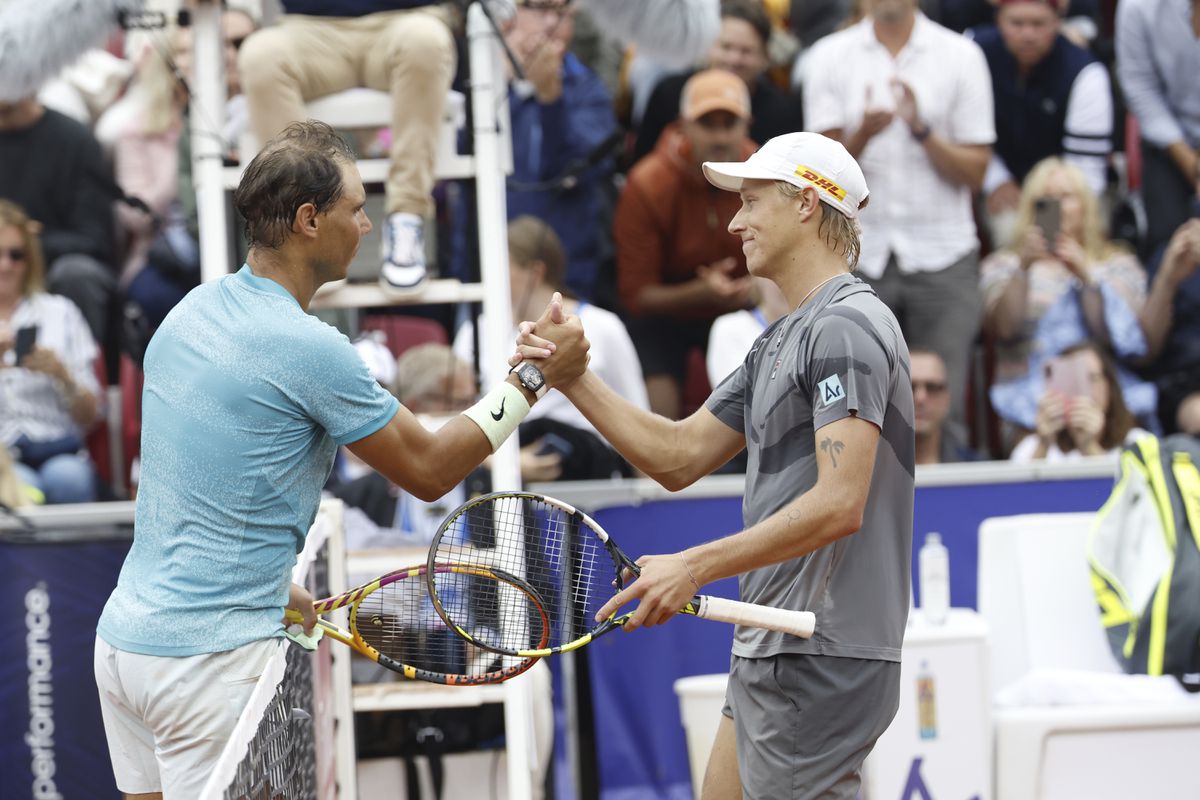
<point>403,246</point>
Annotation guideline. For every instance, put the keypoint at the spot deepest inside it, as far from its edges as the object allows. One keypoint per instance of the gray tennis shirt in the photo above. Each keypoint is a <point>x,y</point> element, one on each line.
<point>841,353</point>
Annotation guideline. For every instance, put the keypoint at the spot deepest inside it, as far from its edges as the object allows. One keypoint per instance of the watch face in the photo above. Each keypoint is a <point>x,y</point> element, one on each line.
<point>531,376</point>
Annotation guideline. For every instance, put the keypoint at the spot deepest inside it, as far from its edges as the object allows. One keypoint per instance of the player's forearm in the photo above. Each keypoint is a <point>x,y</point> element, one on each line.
<point>647,440</point>
<point>813,520</point>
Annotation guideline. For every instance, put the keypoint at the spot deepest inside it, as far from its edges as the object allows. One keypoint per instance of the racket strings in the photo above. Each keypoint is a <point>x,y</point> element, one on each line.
<point>566,565</point>
<point>399,621</point>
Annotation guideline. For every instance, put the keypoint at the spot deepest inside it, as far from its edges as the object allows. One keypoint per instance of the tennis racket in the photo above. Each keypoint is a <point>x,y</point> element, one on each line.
<point>571,565</point>
<point>393,624</point>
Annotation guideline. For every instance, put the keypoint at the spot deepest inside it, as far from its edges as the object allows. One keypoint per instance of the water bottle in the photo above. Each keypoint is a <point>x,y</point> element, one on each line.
<point>934,564</point>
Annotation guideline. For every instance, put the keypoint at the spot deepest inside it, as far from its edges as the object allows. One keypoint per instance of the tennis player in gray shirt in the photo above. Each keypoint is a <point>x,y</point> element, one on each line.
<point>823,405</point>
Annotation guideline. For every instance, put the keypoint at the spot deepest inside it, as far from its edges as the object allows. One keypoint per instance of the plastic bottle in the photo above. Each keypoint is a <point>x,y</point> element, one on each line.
<point>926,703</point>
<point>934,566</point>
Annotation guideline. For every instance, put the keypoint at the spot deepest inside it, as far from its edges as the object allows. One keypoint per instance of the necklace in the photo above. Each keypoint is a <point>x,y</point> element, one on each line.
<point>813,290</point>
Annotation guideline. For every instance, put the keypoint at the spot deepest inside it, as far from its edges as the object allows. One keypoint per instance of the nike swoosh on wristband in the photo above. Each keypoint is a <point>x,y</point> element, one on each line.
<point>499,415</point>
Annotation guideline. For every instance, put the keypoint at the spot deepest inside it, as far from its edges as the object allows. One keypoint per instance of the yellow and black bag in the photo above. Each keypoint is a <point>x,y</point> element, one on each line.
<point>1144,556</point>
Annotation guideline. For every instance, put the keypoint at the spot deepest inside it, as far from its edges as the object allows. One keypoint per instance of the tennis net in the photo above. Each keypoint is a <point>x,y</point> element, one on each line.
<point>284,747</point>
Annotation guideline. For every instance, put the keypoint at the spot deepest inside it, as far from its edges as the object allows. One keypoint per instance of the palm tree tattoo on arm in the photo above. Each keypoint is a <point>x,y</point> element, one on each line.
<point>832,449</point>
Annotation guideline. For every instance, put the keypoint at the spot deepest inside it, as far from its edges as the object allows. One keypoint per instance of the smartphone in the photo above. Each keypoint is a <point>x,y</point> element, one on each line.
<point>553,443</point>
<point>1047,215</point>
<point>1068,376</point>
<point>26,338</point>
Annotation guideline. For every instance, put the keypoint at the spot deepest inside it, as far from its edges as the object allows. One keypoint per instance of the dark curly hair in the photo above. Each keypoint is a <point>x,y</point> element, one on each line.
<point>303,164</point>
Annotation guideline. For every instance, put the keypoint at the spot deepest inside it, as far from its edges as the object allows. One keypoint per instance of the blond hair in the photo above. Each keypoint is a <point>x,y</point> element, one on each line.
<point>1094,236</point>
<point>839,232</point>
<point>12,215</point>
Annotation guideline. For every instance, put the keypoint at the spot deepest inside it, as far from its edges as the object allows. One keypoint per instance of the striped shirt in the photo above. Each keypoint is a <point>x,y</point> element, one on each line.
<point>31,402</point>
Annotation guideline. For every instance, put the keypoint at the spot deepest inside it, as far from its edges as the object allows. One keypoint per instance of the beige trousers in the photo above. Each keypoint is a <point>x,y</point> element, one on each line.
<point>410,54</point>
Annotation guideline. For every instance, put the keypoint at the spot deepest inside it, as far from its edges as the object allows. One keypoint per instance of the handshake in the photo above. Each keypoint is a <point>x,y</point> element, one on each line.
<point>555,341</point>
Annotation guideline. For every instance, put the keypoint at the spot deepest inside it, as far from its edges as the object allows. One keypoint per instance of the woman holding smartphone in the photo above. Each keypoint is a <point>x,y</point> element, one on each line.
<point>1081,412</point>
<point>1063,282</point>
<point>48,384</point>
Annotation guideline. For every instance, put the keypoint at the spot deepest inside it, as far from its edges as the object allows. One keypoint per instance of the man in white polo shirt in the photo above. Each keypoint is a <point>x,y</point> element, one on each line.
<point>912,102</point>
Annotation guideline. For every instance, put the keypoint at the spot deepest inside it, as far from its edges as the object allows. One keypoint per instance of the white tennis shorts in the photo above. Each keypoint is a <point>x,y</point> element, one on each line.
<point>167,718</point>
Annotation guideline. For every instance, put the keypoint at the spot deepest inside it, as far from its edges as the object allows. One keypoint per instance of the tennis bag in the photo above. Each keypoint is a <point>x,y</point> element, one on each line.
<point>1144,556</point>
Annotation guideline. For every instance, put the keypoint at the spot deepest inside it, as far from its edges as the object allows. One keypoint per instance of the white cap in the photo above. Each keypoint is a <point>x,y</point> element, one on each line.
<point>801,159</point>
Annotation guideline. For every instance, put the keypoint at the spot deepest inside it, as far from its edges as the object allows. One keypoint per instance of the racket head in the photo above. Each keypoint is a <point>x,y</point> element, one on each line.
<point>560,553</point>
<point>393,623</point>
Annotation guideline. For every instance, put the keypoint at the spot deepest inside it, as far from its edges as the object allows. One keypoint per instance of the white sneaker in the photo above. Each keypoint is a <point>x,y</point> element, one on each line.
<point>403,250</point>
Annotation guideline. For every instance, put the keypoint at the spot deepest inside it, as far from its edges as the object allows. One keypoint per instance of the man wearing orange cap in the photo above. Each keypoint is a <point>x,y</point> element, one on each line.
<point>677,267</point>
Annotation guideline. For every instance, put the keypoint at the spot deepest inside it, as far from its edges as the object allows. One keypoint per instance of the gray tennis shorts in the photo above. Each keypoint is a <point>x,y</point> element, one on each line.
<point>805,723</point>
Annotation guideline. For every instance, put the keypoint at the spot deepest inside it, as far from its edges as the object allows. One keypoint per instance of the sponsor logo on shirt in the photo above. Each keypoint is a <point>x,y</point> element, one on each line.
<point>831,390</point>
<point>817,179</point>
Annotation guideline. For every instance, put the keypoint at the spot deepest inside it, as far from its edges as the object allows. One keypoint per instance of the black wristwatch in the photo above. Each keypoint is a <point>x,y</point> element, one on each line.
<point>531,378</point>
<point>922,133</point>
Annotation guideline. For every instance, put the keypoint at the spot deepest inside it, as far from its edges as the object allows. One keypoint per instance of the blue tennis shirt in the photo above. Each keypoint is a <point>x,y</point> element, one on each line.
<point>246,399</point>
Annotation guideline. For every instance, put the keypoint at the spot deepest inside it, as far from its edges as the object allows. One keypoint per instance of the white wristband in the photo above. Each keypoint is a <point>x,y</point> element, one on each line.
<point>499,412</point>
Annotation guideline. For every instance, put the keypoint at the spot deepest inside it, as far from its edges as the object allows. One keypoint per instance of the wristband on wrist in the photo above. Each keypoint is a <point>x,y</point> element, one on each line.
<point>922,133</point>
<point>499,412</point>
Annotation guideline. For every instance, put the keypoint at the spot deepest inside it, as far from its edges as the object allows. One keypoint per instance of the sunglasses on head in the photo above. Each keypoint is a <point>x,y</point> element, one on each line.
<point>13,253</point>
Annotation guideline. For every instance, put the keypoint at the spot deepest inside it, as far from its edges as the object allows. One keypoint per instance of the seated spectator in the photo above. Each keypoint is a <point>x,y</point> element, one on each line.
<point>1057,288</point>
<point>1171,321</point>
<point>236,26</point>
<point>141,131</point>
<point>326,46</point>
<point>1157,64</point>
<point>678,268</point>
<point>172,260</point>
<point>558,442</point>
<point>1053,98</point>
<point>48,386</point>
<point>1081,414</point>
<point>733,334</point>
<point>741,48</point>
<point>935,442</point>
<point>53,168</point>
<point>562,125</point>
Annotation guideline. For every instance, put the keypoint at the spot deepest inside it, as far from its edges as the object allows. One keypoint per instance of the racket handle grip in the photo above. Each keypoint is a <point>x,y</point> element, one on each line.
<point>797,623</point>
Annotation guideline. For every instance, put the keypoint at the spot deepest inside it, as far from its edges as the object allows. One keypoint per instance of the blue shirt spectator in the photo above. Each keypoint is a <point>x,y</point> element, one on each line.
<point>562,122</point>
<point>551,142</point>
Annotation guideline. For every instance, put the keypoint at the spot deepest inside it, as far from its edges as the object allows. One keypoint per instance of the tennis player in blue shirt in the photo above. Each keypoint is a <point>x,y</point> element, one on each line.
<point>246,399</point>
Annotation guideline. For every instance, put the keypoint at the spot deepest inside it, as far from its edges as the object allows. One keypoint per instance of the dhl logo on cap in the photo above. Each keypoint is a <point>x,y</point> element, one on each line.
<point>819,180</point>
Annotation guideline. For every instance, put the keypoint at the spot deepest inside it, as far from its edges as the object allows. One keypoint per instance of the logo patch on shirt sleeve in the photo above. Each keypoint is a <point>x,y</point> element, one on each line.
<point>831,390</point>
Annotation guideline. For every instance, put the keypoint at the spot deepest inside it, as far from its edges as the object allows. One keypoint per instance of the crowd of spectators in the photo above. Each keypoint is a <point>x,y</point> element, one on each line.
<point>999,141</point>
